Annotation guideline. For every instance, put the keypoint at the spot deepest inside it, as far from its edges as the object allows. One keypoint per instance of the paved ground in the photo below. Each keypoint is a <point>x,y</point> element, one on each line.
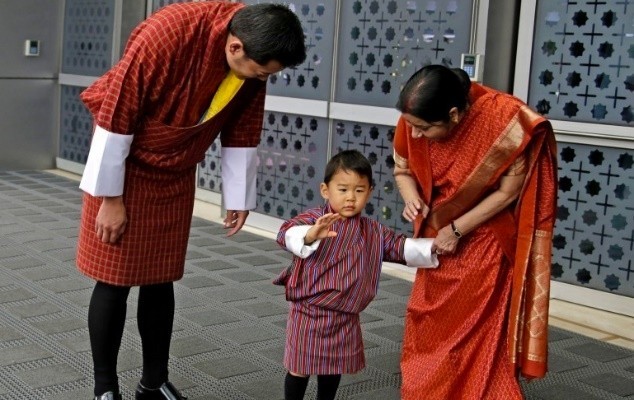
<point>229,328</point>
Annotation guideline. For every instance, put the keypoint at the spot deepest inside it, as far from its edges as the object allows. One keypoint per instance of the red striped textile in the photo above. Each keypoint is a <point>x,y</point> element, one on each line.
<point>322,341</point>
<point>330,288</point>
<point>171,68</point>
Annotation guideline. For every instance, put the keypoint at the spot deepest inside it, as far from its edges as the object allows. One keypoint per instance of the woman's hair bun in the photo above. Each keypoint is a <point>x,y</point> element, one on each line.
<point>465,81</point>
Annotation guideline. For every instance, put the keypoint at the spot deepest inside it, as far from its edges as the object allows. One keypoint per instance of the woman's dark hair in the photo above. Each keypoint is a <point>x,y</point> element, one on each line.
<point>432,91</point>
<point>349,160</point>
<point>270,32</point>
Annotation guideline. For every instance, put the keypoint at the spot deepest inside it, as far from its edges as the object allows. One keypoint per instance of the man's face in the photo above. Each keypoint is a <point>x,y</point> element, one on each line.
<point>243,66</point>
<point>246,68</point>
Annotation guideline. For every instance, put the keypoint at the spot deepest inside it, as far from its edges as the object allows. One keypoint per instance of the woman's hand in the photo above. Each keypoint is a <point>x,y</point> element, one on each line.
<point>413,208</point>
<point>445,242</point>
<point>111,219</point>
<point>408,189</point>
<point>509,189</point>
<point>321,229</point>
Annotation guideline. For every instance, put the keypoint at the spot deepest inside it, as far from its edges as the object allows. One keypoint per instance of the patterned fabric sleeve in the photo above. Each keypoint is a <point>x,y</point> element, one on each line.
<point>306,218</point>
<point>393,245</point>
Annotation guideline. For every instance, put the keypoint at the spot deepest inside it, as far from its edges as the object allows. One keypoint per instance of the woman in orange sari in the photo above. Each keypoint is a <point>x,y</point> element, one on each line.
<point>477,171</point>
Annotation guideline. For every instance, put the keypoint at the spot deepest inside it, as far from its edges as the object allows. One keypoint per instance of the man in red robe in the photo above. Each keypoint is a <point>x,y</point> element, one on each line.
<point>139,180</point>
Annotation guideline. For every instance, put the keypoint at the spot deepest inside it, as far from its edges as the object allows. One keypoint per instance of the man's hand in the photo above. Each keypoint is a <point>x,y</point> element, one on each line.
<point>235,220</point>
<point>111,219</point>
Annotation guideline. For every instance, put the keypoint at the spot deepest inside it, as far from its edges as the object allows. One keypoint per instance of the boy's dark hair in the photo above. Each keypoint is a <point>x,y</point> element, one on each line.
<point>432,91</point>
<point>349,160</point>
<point>270,32</point>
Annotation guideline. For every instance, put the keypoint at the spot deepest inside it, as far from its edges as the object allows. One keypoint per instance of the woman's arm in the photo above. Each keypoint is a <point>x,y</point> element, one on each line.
<point>408,189</point>
<point>508,191</point>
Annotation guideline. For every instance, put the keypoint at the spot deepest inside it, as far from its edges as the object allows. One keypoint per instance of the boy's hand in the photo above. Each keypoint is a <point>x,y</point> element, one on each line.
<point>321,229</point>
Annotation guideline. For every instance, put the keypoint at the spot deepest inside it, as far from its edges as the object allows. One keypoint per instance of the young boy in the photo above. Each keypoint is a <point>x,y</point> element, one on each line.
<point>334,276</point>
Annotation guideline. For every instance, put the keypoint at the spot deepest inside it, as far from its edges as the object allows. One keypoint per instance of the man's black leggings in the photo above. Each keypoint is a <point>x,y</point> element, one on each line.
<point>106,320</point>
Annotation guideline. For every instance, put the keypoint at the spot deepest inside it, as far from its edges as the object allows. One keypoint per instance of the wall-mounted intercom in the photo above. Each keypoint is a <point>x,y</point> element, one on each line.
<point>473,64</point>
<point>31,48</point>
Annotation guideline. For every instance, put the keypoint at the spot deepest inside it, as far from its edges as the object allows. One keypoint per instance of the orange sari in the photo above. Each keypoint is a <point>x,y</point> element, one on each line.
<point>481,318</point>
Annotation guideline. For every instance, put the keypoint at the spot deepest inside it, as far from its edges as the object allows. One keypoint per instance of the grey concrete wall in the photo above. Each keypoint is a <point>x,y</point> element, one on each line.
<point>28,85</point>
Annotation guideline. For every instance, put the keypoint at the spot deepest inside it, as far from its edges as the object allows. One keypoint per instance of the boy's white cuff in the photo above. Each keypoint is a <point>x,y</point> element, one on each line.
<point>239,172</point>
<point>104,172</point>
<point>418,253</point>
<point>294,238</point>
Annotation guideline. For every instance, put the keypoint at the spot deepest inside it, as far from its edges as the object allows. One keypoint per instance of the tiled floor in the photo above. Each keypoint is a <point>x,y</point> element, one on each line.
<point>229,327</point>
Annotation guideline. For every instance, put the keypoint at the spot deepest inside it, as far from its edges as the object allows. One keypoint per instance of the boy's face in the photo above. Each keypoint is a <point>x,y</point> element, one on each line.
<point>347,192</point>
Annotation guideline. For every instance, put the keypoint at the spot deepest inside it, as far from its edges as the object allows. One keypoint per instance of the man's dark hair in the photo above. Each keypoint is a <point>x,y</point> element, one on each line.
<point>270,32</point>
<point>349,160</point>
<point>432,91</point>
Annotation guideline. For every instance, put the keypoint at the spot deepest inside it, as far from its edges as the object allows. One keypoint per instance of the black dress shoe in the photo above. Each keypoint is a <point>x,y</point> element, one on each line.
<point>166,391</point>
<point>109,396</point>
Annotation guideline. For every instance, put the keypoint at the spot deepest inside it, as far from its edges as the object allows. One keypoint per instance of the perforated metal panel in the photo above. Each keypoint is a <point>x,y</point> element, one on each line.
<point>594,236</point>
<point>312,79</point>
<point>88,36</point>
<point>209,177</point>
<point>291,163</point>
<point>382,42</point>
<point>156,4</point>
<point>75,126</point>
<point>583,61</point>
<point>375,142</point>
<point>292,159</point>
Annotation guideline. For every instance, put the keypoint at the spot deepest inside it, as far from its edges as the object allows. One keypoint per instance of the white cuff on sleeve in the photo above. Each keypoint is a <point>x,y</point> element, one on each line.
<point>105,168</point>
<point>295,241</point>
<point>418,253</point>
<point>239,172</point>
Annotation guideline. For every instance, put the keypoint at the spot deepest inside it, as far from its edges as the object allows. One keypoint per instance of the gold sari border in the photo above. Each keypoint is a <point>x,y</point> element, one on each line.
<point>504,146</point>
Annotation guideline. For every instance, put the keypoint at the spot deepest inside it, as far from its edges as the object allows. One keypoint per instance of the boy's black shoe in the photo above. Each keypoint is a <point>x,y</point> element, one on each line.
<point>166,391</point>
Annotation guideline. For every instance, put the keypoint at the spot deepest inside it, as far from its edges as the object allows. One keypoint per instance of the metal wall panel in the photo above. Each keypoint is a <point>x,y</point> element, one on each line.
<point>34,20</point>
<point>28,133</point>
<point>382,42</point>
<point>375,142</point>
<point>594,235</point>
<point>583,61</point>
<point>89,43</point>
<point>311,79</point>
<point>76,125</point>
<point>28,92</point>
<point>291,163</point>
<point>88,37</point>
